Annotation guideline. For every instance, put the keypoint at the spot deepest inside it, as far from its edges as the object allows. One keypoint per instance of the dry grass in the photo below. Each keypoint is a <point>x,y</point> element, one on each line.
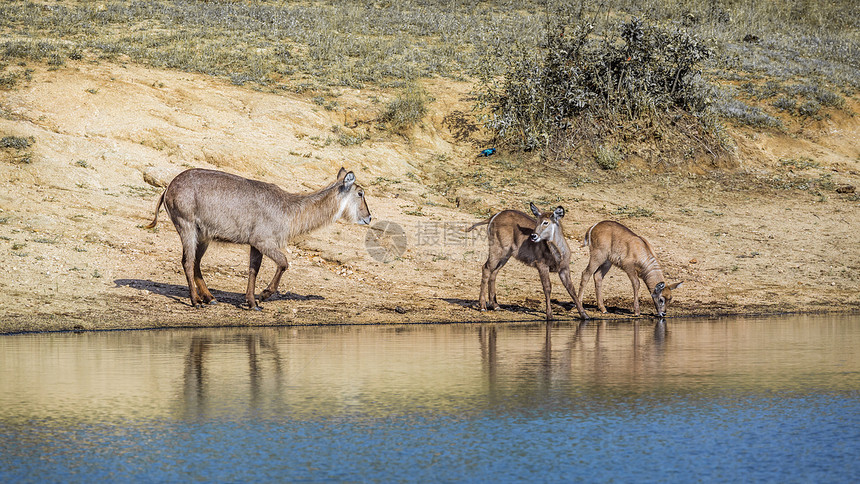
<point>353,42</point>
<point>789,57</point>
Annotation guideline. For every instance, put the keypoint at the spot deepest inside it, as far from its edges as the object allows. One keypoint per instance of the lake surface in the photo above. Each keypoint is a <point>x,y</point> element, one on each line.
<point>712,400</point>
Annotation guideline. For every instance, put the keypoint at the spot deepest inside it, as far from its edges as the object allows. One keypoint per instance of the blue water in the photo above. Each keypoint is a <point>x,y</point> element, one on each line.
<point>696,401</point>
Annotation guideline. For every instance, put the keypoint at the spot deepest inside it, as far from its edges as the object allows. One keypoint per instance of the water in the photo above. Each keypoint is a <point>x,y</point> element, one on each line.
<point>716,400</point>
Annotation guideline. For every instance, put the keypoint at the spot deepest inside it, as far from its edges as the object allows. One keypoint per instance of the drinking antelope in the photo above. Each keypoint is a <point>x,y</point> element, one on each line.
<point>207,205</point>
<point>610,243</point>
<point>538,243</point>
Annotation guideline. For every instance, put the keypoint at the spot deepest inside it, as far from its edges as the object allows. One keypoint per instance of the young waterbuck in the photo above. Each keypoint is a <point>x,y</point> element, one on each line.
<point>610,243</point>
<point>207,205</point>
<point>537,243</point>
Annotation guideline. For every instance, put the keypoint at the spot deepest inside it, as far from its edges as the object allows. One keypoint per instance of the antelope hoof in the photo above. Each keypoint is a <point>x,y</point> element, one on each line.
<point>582,313</point>
<point>213,302</point>
<point>266,295</point>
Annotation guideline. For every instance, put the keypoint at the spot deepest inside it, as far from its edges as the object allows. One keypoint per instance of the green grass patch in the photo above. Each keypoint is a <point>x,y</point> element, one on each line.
<point>17,142</point>
<point>801,163</point>
<point>633,212</point>
<point>406,110</point>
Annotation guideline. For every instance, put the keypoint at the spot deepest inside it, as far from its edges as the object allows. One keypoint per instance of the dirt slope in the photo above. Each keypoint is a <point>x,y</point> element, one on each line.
<point>106,136</point>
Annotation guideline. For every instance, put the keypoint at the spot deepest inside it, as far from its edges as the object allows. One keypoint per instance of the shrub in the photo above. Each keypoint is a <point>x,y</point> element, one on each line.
<point>741,112</point>
<point>802,163</point>
<point>633,212</point>
<point>829,98</point>
<point>607,158</point>
<point>809,108</point>
<point>406,110</point>
<point>9,80</point>
<point>616,77</point>
<point>785,104</point>
<point>17,142</point>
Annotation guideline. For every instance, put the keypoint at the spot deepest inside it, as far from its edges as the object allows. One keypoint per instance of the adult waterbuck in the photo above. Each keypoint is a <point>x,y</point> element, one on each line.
<point>610,243</point>
<point>538,243</point>
<point>207,205</point>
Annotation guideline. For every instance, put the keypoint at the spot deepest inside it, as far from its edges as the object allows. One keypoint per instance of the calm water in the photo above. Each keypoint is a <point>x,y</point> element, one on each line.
<point>717,400</point>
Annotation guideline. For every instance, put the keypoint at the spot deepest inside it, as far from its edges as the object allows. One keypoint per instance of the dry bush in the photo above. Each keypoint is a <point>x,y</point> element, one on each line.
<point>587,87</point>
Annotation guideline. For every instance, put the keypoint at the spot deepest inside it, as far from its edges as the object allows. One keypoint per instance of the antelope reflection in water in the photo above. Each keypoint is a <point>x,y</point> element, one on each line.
<point>195,379</point>
<point>588,355</point>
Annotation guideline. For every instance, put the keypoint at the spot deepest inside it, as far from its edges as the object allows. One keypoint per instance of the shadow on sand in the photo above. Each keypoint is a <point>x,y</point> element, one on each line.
<point>179,293</point>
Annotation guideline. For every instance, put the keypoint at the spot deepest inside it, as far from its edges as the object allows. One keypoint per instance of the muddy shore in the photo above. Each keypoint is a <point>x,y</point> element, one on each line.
<point>108,137</point>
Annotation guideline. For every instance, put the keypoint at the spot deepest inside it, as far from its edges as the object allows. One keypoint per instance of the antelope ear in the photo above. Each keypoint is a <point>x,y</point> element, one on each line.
<point>348,180</point>
<point>558,212</point>
<point>672,287</point>
<point>658,289</point>
<point>535,210</point>
<point>341,173</point>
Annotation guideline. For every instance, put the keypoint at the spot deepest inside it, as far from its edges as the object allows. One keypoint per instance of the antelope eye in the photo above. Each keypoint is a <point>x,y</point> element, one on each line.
<point>361,194</point>
<point>544,222</point>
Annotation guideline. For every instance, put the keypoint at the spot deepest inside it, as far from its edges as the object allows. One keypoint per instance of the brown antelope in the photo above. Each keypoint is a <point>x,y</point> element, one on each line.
<point>610,243</point>
<point>537,243</point>
<point>207,205</point>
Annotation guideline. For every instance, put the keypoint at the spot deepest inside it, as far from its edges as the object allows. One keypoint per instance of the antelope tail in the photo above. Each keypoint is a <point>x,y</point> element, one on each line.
<point>485,222</point>
<point>157,208</point>
<point>587,240</point>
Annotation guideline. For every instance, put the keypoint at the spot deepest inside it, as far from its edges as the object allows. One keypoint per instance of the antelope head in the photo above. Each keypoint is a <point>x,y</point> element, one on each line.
<point>548,226</point>
<point>662,296</point>
<point>352,202</point>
